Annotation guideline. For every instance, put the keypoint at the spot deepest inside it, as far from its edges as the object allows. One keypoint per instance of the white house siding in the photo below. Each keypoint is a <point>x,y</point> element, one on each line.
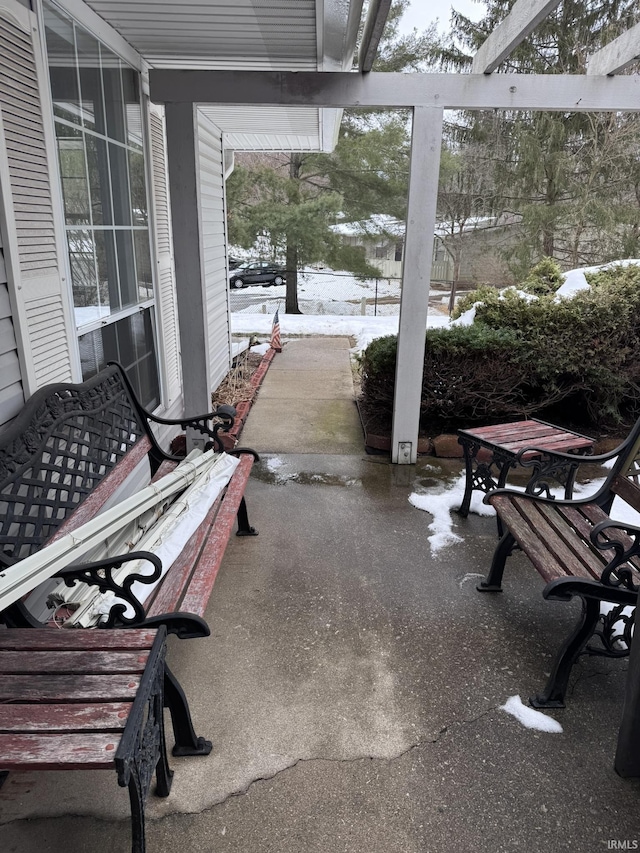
<point>212,213</point>
<point>166,289</point>
<point>11,392</point>
<point>33,252</point>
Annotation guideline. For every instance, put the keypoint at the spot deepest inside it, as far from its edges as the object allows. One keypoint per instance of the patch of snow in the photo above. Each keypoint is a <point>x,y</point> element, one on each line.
<point>273,463</point>
<point>575,280</point>
<point>439,504</point>
<point>448,496</point>
<point>529,717</point>
<point>468,317</point>
<point>261,349</point>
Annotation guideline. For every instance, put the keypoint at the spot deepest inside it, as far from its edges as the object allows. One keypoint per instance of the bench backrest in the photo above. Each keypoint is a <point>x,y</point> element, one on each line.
<point>63,443</point>
<point>624,479</point>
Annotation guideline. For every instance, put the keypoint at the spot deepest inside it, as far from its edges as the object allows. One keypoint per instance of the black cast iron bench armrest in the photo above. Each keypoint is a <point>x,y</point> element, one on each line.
<point>225,416</point>
<point>543,499</point>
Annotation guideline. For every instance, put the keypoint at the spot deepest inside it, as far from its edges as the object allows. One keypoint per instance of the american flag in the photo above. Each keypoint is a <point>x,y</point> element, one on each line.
<point>276,343</point>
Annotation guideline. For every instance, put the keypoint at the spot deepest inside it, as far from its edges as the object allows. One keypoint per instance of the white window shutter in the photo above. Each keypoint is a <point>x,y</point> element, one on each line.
<point>214,241</point>
<point>167,300</point>
<point>27,152</point>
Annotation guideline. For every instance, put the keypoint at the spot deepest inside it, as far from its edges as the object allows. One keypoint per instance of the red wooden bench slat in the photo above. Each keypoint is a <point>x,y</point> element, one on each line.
<point>87,750</point>
<point>88,662</point>
<point>197,595</point>
<point>65,717</point>
<point>627,490</point>
<point>578,558</point>
<point>76,639</point>
<point>68,688</point>
<point>194,597</point>
<point>526,536</point>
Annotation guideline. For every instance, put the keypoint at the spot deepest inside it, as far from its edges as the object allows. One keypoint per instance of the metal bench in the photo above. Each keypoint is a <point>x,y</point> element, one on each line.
<point>61,460</point>
<point>580,552</point>
<point>86,700</point>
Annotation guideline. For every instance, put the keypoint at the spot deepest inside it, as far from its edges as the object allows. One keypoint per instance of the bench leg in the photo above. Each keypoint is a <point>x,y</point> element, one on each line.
<point>553,694</point>
<point>493,583</point>
<point>244,528</point>
<point>136,800</point>
<point>187,742</point>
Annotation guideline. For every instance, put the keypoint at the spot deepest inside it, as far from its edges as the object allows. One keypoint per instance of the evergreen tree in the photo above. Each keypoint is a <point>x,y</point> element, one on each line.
<point>293,200</point>
<point>561,171</point>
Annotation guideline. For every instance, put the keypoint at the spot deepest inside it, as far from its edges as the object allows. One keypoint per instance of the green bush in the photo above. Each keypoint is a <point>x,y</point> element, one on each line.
<point>575,359</point>
<point>544,279</point>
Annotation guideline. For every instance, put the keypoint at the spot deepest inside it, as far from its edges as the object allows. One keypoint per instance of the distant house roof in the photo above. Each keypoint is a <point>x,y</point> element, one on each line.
<point>380,224</point>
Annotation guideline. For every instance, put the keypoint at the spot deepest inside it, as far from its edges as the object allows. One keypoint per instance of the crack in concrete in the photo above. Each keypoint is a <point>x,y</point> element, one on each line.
<point>241,792</point>
<point>414,746</point>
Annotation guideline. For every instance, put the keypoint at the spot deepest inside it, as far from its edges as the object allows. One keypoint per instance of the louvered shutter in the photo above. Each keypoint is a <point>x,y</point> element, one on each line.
<point>213,224</point>
<point>27,152</point>
<point>167,301</point>
<point>11,393</point>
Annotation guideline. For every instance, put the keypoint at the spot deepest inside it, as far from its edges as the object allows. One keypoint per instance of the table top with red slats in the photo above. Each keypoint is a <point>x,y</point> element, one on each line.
<point>513,437</point>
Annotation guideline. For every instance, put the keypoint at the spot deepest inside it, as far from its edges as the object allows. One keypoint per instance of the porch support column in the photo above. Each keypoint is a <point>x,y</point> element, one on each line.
<point>182,162</point>
<point>426,141</point>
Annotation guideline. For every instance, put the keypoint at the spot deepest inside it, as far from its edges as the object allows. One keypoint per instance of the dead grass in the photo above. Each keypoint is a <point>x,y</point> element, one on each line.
<point>236,387</point>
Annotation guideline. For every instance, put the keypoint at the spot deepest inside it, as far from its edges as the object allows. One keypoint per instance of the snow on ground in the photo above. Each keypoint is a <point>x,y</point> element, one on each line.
<point>529,717</point>
<point>440,502</point>
<point>363,329</point>
<point>440,505</point>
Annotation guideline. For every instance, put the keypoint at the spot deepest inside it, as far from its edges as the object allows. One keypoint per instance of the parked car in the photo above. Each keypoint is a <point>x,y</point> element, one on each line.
<point>256,272</point>
<point>234,263</point>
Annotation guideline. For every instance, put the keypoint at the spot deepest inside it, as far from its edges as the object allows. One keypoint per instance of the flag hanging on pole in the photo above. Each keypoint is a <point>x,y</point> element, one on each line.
<point>276,343</point>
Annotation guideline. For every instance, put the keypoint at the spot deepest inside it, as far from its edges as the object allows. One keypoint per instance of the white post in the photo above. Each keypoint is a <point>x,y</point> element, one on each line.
<point>183,185</point>
<point>426,141</point>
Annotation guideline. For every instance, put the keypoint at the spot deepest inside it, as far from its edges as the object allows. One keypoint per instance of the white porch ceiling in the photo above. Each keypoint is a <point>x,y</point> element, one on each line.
<point>274,128</point>
<point>256,35</point>
<point>227,34</point>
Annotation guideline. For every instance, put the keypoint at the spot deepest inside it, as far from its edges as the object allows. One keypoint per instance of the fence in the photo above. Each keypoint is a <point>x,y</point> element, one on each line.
<point>323,292</point>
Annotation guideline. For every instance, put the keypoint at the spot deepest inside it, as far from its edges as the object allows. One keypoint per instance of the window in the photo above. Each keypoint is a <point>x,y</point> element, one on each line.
<point>98,125</point>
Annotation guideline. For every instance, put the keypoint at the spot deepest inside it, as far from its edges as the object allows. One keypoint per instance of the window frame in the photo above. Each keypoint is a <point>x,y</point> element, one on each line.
<point>85,19</point>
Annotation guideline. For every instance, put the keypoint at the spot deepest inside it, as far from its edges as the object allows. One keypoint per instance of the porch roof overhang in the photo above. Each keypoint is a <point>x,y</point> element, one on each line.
<point>255,35</point>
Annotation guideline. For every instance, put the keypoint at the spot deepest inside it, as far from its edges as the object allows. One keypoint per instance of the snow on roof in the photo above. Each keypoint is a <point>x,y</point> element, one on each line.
<point>376,225</point>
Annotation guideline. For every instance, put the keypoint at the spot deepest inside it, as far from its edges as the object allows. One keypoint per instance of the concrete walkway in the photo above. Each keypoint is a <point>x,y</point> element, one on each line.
<point>352,682</point>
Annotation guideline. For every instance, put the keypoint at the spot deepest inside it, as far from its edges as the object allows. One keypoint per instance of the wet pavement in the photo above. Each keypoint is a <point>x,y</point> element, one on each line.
<point>352,682</point>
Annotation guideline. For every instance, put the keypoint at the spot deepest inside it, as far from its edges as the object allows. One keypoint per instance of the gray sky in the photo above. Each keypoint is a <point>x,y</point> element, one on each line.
<point>422,12</point>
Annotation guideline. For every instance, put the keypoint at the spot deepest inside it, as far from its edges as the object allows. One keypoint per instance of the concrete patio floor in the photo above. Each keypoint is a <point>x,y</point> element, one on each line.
<point>352,682</point>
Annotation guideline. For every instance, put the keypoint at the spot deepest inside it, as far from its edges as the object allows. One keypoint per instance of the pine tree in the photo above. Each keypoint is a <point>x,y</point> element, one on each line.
<point>561,171</point>
<point>293,200</point>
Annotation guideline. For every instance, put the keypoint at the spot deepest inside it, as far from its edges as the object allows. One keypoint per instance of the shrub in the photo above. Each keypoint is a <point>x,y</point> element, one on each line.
<point>544,279</point>
<point>525,356</point>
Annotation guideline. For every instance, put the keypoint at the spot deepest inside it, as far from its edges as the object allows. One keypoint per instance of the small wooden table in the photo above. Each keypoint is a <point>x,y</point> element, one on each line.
<point>501,444</point>
<point>86,699</point>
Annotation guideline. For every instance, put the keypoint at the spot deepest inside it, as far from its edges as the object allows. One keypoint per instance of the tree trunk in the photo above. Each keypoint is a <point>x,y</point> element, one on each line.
<point>291,302</point>
<point>457,263</point>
